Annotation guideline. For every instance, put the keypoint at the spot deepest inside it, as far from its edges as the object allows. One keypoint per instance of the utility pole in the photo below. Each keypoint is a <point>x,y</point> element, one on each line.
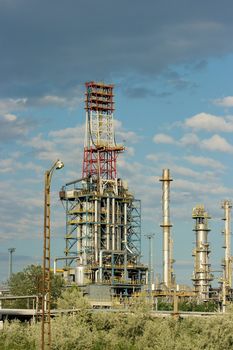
<point>46,282</point>
<point>150,237</point>
<point>11,251</point>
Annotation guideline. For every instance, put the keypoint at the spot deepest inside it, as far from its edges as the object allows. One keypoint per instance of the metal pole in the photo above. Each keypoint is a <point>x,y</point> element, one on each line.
<point>149,237</point>
<point>11,251</point>
<point>46,283</point>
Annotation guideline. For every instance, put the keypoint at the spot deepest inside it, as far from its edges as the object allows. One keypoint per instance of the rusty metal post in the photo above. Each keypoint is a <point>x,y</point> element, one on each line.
<point>46,283</point>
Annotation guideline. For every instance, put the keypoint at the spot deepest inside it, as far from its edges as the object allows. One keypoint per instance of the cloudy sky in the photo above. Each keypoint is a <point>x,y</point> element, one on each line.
<point>171,63</point>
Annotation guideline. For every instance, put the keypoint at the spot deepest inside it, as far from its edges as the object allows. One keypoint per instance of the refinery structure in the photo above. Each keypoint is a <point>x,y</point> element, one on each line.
<point>103,219</point>
<point>103,223</point>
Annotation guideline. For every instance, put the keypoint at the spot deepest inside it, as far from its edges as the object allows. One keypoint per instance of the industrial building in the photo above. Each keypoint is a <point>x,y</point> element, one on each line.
<point>103,219</point>
<point>103,222</point>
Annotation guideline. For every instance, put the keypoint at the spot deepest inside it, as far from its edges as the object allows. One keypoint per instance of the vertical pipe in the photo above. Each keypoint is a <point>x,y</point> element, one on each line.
<point>108,223</point>
<point>101,266</point>
<point>113,225</point>
<point>118,222</point>
<point>86,233</point>
<point>150,266</point>
<point>55,266</point>
<point>166,227</point>
<point>125,223</point>
<point>96,232</point>
<point>227,233</point>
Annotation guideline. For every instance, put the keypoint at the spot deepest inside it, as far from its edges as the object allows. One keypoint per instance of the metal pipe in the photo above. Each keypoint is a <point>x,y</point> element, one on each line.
<point>64,258</point>
<point>108,223</point>
<point>74,182</point>
<point>166,225</point>
<point>118,222</point>
<point>125,223</point>
<point>96,232</point>
<point>113,225</point>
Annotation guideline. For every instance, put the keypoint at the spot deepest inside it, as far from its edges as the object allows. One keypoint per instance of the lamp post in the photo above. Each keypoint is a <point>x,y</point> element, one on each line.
<point>11,251</point>
<point>150,269</point>
<point>46,282</point>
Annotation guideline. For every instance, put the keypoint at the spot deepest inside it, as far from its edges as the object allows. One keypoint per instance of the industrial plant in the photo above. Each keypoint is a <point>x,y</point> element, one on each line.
<point>103,255</point>
<point>103,219</point>
<point>103,224</point>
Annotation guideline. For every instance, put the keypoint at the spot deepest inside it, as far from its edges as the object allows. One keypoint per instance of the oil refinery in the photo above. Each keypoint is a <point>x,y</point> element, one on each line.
<point>103,224</point>
<point>103,219</point>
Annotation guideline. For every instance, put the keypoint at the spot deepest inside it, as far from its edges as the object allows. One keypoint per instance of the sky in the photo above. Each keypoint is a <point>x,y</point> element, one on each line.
<point>171,64</point>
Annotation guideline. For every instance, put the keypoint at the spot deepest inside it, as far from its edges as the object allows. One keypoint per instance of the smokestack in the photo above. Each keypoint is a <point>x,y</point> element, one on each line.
<point>166,225</point>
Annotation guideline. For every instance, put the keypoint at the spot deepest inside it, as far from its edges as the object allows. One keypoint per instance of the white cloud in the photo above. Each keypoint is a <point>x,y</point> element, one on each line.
<point>72,136</point>
<point>189,139</point>
<point>209,122</point>
<point>163,138</point>
<point>9,117</point>
<point>184,171</point>
<point>217,143</point>
<point>205,162</point>
<point>211,187</point>
<point>11,105</point>
<point>125,136</point>
<point>61,101</point>
<point>153,157</point>
<point>130,151</point>
<point>224,102</point>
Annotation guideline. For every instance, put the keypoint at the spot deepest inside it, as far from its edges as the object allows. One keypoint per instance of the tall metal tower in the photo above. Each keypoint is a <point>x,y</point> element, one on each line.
<point>168,275</point>
<point>100,148</point>
<point>103,231</point>
<point>201,276</point>
<point>227,243</point>
<point>226,279</point>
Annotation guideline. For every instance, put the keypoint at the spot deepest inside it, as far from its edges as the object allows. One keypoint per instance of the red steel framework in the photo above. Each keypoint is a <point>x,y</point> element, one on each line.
<point>100,154</point>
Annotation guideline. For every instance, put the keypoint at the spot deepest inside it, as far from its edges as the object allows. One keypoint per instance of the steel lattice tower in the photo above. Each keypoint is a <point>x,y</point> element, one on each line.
<point>103,231</point>
<point>100,148</point>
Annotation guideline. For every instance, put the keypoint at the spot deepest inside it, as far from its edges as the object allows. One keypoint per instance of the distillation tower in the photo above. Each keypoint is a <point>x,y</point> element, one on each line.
<point>201,276</point>
<point>103,219</point>
<point>227,262</point>
<point>168,274</point>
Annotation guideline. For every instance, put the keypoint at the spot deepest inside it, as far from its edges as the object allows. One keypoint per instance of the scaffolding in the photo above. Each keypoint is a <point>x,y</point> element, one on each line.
<point>103,219</point>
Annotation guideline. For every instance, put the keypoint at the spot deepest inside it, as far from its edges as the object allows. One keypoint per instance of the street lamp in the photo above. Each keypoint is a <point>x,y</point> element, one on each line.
<point>150,269</point>
<point>46,282</point>
<point>11,251</point>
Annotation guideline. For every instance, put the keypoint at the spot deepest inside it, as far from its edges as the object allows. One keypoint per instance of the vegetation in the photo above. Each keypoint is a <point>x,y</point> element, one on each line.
<point>29,282</point>
<point>135,330</point>
<point>210,306</point>
<point>131,331</point>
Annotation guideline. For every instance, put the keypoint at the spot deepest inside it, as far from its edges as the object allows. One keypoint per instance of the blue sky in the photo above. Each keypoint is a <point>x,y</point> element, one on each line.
<point>171,63</point>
